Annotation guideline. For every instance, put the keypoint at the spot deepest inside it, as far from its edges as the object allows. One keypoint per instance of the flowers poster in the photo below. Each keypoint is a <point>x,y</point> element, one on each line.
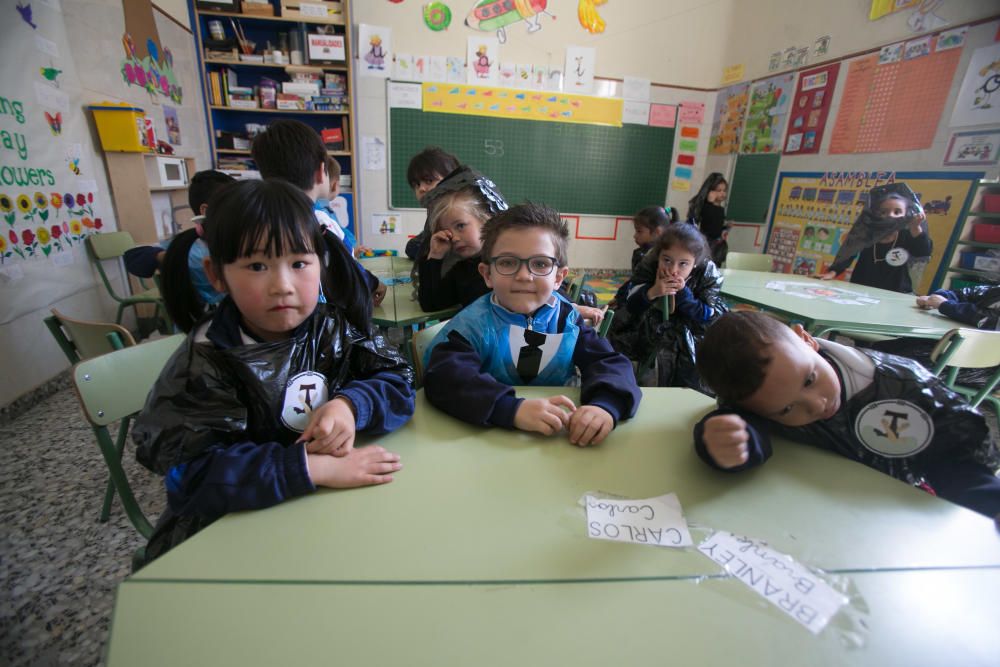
<point>36,224</point>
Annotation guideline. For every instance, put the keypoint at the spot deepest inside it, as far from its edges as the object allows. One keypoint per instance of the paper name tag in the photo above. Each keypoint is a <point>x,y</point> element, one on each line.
<point>658,521</point>
<point>776,577</point>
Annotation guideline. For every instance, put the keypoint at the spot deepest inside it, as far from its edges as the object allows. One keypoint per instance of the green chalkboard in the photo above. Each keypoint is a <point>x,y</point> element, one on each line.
<point>750,191</point>
<point>575,168</point>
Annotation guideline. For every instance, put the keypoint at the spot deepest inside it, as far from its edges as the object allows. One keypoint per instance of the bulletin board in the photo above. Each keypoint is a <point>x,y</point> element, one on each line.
<point>814,210</point>
<point>893,100</point>
<point>727,124</point>
<point>569,166</point>
<point>810,107</point>
<point>750,191</point>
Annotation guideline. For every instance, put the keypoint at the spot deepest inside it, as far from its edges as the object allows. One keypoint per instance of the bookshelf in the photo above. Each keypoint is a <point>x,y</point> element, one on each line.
<point>975,253</point>
<point>244,90</point>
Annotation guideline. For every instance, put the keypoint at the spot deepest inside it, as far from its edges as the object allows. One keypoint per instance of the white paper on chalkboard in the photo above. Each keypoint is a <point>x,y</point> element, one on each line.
<point>405,95</point>
<point>636,113</point>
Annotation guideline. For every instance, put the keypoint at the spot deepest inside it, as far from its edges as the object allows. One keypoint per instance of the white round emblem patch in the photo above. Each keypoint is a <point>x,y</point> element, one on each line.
<point>305,392</point>
<point>897,256</point>
<point>894,429</point>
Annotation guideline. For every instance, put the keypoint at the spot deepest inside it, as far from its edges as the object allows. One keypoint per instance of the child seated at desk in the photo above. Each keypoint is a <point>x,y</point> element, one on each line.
<point>457,208</point>
<point>527,333</point>
<point>881,410</point>
<point>426,169</point>
<point>685,274</point>
<point>261,403</point>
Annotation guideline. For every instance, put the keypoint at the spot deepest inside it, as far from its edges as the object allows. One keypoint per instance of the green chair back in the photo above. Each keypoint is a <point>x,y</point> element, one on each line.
<point>82,339</point>
<point>112,245</point>
<point>969,348</point>
<point>420,342</point>
<point>573,291</point>
<point>113,387</point>
<point>748,261</point>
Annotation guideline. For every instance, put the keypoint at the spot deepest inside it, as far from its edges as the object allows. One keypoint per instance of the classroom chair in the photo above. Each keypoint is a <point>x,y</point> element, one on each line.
<point>748,261</point>
<point>82,339</point>
<point>969,348</point>
<point>113,388</point>
<point>573,291</point>
<point>112,245</point>
<point>602,329</point>
<point>418,345</point>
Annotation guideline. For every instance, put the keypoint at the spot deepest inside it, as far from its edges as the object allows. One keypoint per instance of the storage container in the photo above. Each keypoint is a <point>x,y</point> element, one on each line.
<point>991,203</point>
<point>984,232</point>
<point>119,126</point>
<point>979,261</point>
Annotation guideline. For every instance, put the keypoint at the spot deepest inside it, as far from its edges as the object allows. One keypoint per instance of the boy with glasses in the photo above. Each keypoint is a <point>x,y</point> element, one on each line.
<point>526,333</point>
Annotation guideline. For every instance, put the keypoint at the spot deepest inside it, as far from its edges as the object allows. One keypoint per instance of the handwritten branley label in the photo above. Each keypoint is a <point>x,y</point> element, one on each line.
<point>657,521</point>
<point>776,577</point>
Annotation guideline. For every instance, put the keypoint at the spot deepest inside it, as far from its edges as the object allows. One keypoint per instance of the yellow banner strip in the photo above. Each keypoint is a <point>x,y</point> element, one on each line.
<point>522,104</point>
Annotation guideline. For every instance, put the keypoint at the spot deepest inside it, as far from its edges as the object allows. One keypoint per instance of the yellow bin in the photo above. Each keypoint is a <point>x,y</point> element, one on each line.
<point>119,126</point>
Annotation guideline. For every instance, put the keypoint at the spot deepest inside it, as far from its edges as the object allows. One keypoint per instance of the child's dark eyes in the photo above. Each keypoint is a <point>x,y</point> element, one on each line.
<point>300,264</point>
<point>811,378</point>
<point>257,266</point>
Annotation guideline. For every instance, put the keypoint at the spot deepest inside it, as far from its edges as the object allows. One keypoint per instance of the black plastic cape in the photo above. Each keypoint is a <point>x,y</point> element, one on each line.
<point>869,227</point>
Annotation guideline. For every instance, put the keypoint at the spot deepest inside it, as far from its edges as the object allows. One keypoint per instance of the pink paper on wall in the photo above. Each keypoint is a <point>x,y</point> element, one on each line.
<point>662,115</point>
<point>685,159</point>
<point>692,112</point>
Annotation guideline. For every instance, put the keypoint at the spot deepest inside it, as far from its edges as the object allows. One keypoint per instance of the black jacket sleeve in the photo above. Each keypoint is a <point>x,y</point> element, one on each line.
<point>455,384</point>
<point>414,244</point>
<point>436,292</point>
<point>607,378</point>
<point>141,261</point>
<point>758,446</point>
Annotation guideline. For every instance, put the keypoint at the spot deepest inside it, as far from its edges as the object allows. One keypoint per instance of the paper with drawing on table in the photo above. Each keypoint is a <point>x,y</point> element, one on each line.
<point>778,578</point>
<point>658,521</point>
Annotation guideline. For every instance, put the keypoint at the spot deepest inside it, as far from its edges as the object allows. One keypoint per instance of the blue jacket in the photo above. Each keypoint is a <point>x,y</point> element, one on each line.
<point>471,367</point>
<point>223,420</point>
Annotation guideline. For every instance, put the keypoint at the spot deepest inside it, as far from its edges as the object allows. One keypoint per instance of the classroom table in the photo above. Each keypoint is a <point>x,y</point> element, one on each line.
<point>921,617</point>
<point>473,504</point>
<point>398,308</point>
<point>477,553</point>
<point>893,314</point>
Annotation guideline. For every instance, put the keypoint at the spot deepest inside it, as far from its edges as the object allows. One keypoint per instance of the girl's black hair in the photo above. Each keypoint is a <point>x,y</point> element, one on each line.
<point>696,202</point>
<point>277,217</point>
<point>655,218</point>
<point>687,236</point>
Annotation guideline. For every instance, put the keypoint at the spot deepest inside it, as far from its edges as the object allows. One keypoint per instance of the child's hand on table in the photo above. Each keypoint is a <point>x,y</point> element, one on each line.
<point>591,314</point>
<point>726,438</point>
<point>589,425</point>
<point>331,428</point>
<point>544,415</point>
<point>379,294</point>
<point>359,467</point>
<point>829,275</point>
<point>931,301</point>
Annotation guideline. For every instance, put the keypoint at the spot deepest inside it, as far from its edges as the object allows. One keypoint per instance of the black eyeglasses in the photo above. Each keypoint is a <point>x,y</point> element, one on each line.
<point>538,265</point>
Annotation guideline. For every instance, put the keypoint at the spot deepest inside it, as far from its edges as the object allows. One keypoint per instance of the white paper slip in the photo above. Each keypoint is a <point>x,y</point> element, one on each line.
<point>657,521</point>
<point>405,95</point>
<point>776,577</point>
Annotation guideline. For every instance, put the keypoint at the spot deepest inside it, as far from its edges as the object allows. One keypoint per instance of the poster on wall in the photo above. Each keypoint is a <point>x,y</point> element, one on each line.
<point>482,56</point>
<point>891,103</point>
<point>727,123</point>
<point>767,111</point>
<point>375,49</point>
<point>978,101</point>
<point>813,211</point>
<point>973,148</point>
<point>810,107</point>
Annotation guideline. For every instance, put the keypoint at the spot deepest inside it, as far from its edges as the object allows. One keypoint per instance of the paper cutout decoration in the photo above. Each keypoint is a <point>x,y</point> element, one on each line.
<point>496,15</point>
<point>481,56</point>
<point>586,13</point>
<point>24,9</point>
<point>50,74</point>
<point>437,16</point>
<point>375,46</point>
<point>882,8</point>
<point>55,123</point>
<point>580,69</point>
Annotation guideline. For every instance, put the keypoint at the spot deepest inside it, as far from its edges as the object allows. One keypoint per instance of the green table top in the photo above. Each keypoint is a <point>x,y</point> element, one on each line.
<point>475,504</point>
<point>399,309</point>
<point>893,314</point>
<point>927,617</point>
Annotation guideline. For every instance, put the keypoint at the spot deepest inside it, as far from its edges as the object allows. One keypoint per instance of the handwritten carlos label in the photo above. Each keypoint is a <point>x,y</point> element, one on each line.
<point>778,578</point>
<point>657,521</point>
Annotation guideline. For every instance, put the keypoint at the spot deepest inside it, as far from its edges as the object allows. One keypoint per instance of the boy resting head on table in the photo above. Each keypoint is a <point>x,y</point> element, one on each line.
<point>887,412</point>
<point>525,332</point>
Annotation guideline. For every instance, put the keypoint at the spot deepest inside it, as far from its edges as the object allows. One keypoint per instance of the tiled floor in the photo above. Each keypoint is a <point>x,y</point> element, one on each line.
<point>59,567</point>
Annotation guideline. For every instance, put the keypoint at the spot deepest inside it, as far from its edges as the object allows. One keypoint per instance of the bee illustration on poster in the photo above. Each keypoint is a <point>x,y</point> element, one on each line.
<point>496,15</point>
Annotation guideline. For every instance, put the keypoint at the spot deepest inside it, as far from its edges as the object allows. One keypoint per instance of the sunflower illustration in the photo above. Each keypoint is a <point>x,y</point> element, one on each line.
<point>43,235</point>
<point>75,227</point>
<point>40,200</point>
<point>24,203</point>
<point>6,203</point>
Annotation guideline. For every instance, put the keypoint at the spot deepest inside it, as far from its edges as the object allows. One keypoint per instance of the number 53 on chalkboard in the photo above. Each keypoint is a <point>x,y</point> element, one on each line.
<point>493,147</point>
